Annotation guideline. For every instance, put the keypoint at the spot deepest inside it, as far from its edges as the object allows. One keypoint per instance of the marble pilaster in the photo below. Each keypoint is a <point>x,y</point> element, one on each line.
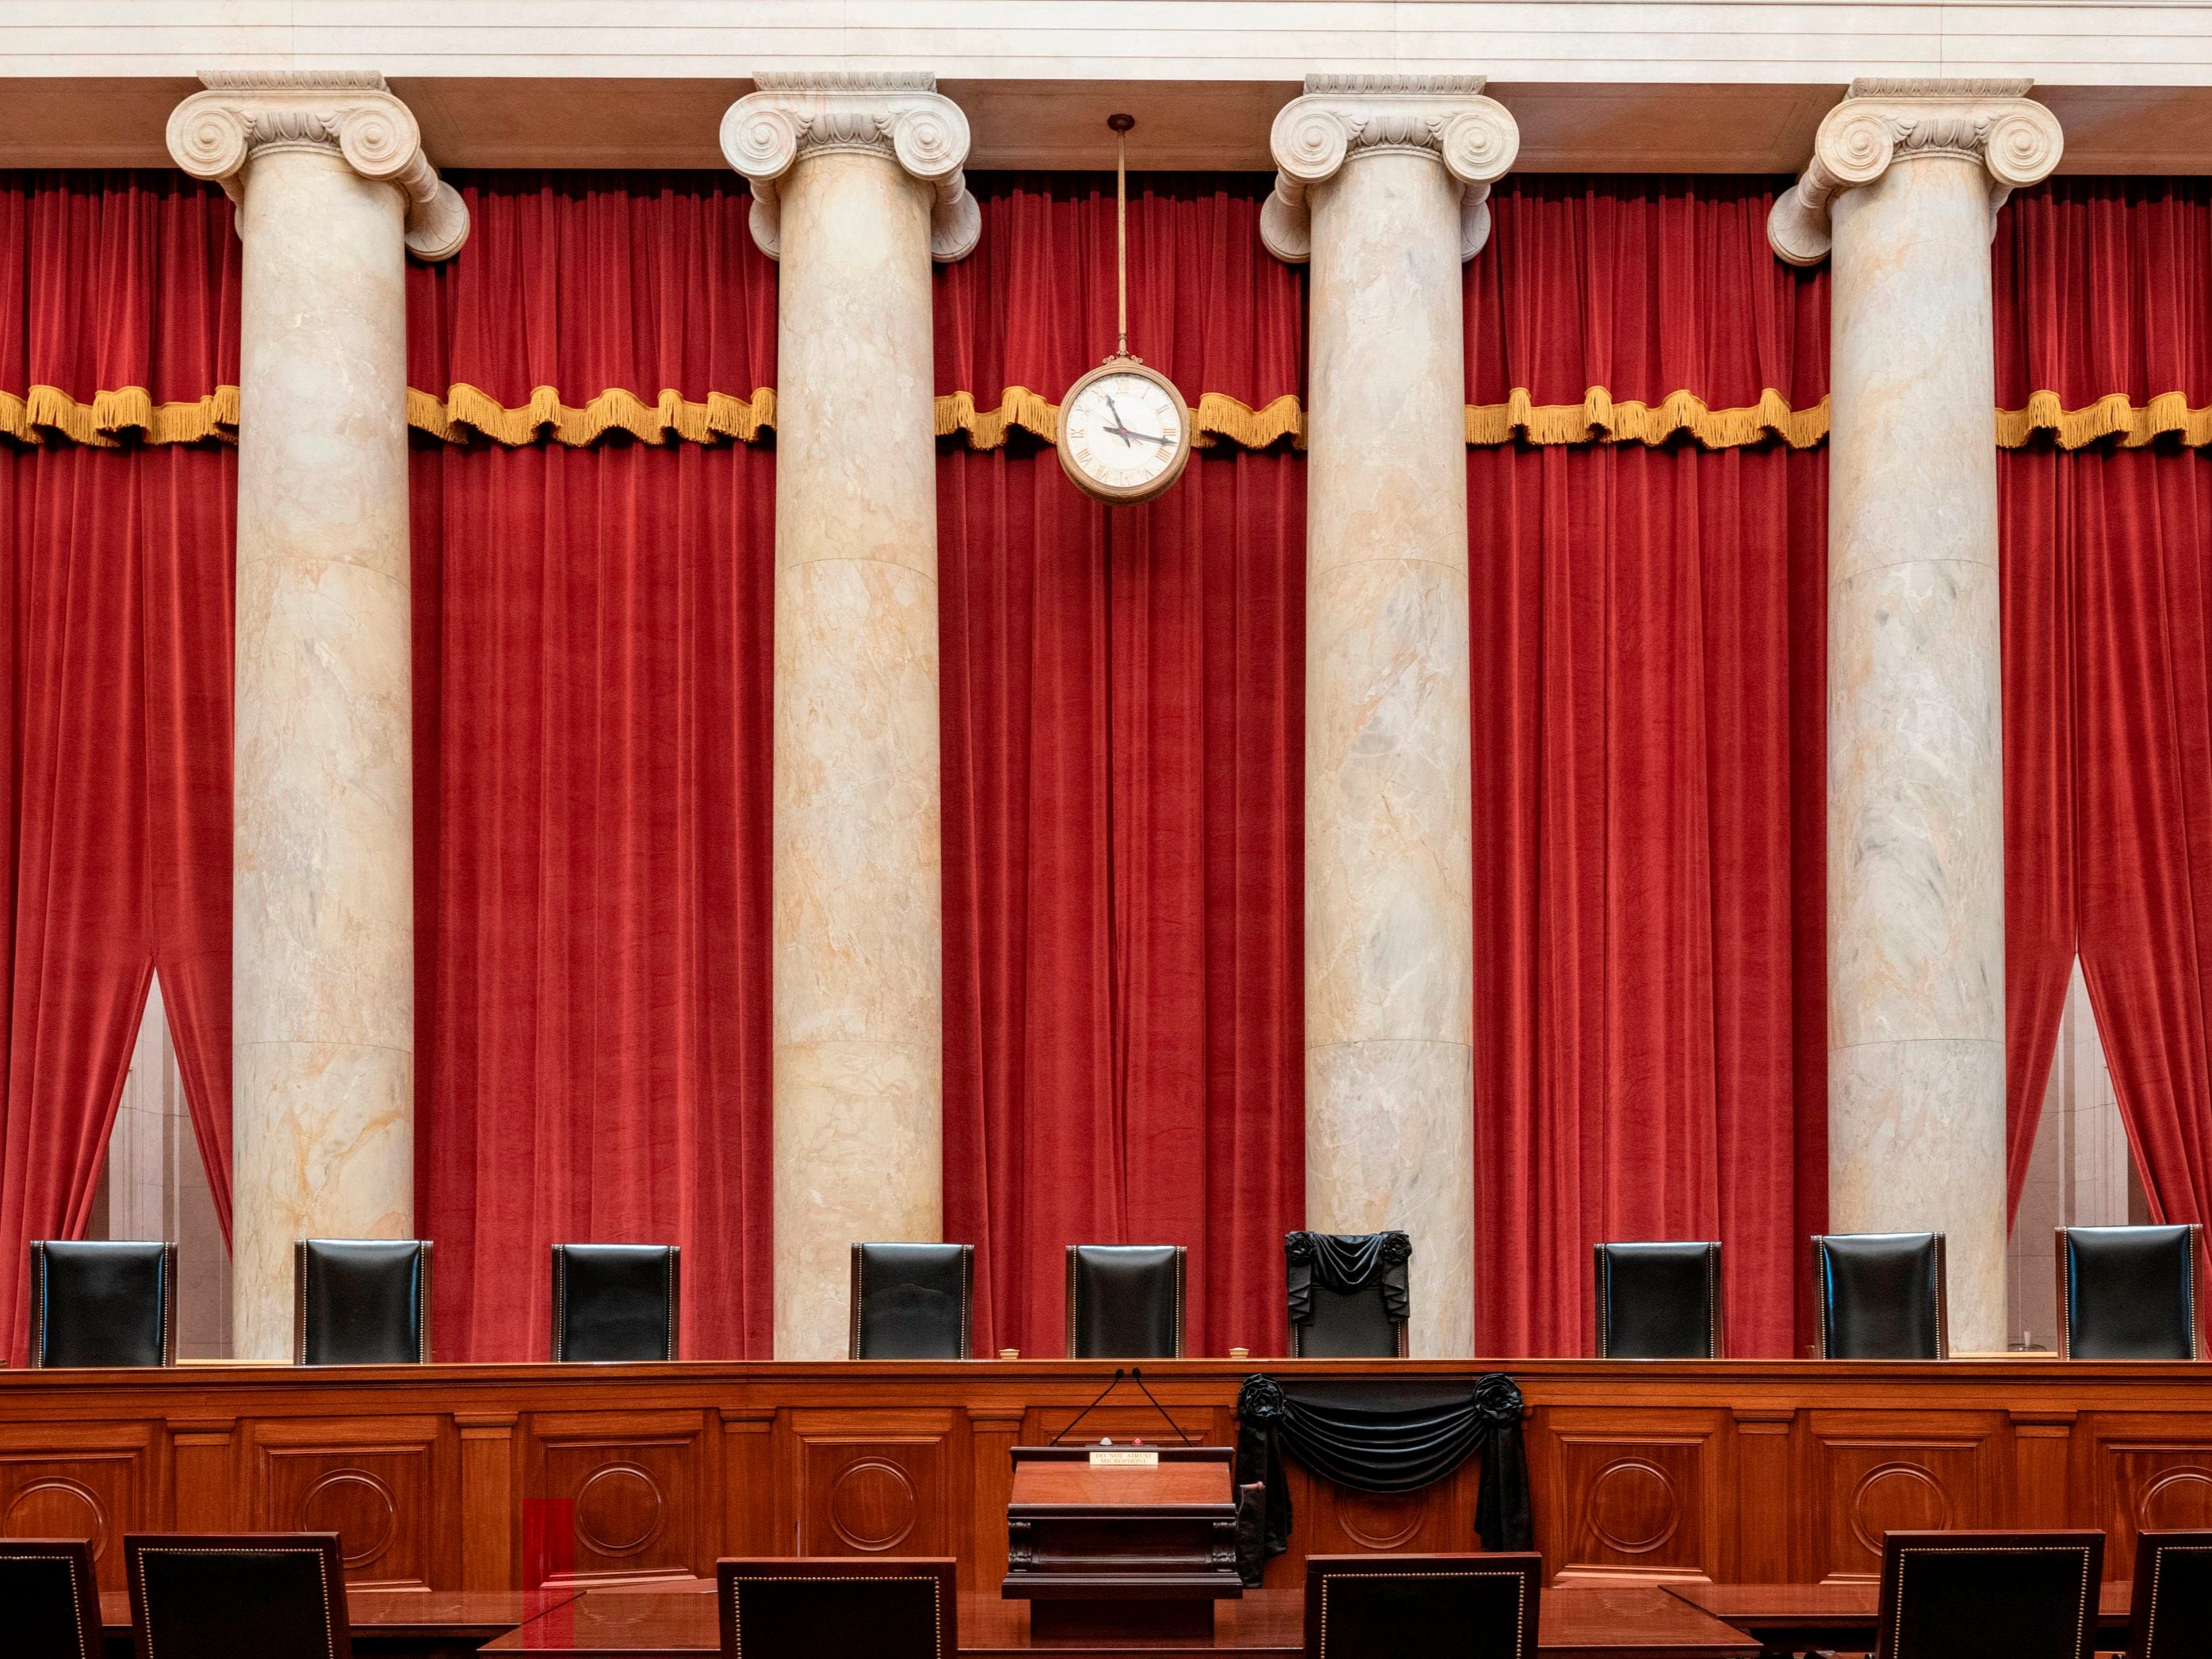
<point>857,186</point>
<point>333,190</point>
<point>1381,184</point>
<point>1905,179</point>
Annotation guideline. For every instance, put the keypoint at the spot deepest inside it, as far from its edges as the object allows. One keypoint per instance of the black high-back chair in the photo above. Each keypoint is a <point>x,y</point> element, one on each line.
<point>2173,1616</point>
<point>203,1595</point>
<point>912,1301</point>
<point>1125,1301</point>
<point>1658,1300</point>
<point>361,1301</point>
<point>1989,1595</point>
<point>2129,1292</point>
<point>1346,1294</point>
<point>814,1607</point>
<point>103,1301</point>
<point>1879,1296</point>
<point>49,1598</point>
<point>1417,1606</point>
<point>615,1301</point>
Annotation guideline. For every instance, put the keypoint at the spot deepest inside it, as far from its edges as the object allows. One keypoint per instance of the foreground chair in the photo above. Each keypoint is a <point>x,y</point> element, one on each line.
<point>615,1301</point>
<point>361,1301</point>
<point>99,1302</point>
<point>1658,1301</point>
<point>204,1595</point>
<point>2173,1596</point>
<point>1346,1294</point>
<point>1879,1296</point>
<point>1417,1607</point>
<point>51,1599</point>
<point>1125,1301</point>
<point>1989,1595</point>
<point>816,1606</point>
<point>2128,1292</point>
<point>912,1301</point>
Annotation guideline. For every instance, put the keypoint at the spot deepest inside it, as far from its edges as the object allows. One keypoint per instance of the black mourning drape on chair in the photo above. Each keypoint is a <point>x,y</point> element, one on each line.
<point>1385,1436</point>
<point>1346,1262</point>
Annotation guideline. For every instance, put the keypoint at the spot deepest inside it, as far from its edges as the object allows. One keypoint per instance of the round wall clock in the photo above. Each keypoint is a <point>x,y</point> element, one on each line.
<point>1124,432</point>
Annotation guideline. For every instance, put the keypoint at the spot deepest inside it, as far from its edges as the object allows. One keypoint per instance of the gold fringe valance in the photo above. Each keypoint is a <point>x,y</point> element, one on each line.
<point>1599,419</point>
<point>111,415</point>
<point>2110,416</point>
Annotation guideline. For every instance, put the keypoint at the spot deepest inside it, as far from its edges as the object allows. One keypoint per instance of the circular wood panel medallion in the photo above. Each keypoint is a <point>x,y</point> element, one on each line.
<point>358,1507</point>
<point>619,1509</point>
<point>1381,1520</point>
<point>1897,1498</point>
<point>872,1505</point>
<point>2179,1500</point>
<point>56,1508</point>
<point>1633,1507</point>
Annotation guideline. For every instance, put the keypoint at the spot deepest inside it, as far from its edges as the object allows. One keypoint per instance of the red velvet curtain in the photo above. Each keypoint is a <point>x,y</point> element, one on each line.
<point>592,658</point>
<point>1648,648</point>
<point>1123,739</point>
<point>2104,307</point>
<point>115,842</point>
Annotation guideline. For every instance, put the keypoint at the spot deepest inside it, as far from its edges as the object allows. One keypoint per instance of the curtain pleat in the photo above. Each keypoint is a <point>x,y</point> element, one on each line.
<point>593,659</point>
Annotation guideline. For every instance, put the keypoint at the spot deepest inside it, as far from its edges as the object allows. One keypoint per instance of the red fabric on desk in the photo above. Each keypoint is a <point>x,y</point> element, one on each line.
<point>592,665</point>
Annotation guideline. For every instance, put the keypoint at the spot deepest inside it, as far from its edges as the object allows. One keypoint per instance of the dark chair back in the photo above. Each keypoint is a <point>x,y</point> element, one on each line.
<point>2173,1617</point>
<point>1658,1301</point>
<point>102,1302</point>
<point>197,1595</point>
<point>1989,1595</point>
<point>361,1301</point>
<point>912,1301</point>
<point>1125,1301</point>
<point>49,1598</point>
<point>2128,1292</point>
<point>615,1301</point>
<point>1346,1294</point>
<point>1879,1296</point>
<point>1416,1606</point>
<point>814,1607</point>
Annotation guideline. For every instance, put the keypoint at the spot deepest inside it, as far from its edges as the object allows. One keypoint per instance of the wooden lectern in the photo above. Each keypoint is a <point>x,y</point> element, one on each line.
<point>1134,1543</point>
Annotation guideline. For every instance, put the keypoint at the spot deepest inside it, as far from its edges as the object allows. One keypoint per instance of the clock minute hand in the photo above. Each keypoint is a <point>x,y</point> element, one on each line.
<point>1117,428</point>
<point>1125,435</point>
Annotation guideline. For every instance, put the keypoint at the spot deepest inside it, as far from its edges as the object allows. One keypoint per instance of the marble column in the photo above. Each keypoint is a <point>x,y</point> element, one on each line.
<point>857,186</point>
<point>332,191</point>
<point>1903,186</point>
<point>1381,183</point>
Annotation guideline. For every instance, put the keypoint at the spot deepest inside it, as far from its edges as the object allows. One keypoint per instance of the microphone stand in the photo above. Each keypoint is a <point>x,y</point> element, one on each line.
<point>1118,1375</point>
<point>1137,1375</point>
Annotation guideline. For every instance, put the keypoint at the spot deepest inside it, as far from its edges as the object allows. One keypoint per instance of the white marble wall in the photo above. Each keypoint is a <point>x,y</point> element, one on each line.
<point>1905,179</point>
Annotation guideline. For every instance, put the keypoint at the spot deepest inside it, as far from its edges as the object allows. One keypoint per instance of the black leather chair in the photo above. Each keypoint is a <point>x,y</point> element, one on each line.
<point>360,1301</point>
<point>912,1301</point>
<point>1879,1296</point>
<point>1658,1300</point>
<point>1989,1595</point>
<point>97,1302</point>
<point>1346,1294</point>
<point>203,1595</point>
<point>1417,1606</point>
<point>49,1598</point>
<point>2129,1292</point>
<point>816,1606</point>
<point>613,1302</point>
<point>1125,1301</point>
<point>2173,1617</point>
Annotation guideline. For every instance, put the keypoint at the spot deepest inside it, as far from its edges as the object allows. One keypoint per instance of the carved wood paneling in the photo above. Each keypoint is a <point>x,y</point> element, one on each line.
<point>374,1481</point>
<point>1629,1495</point>
<point>95,1481</point>
<point>643,1489</point>
<point>873,1483</point>
<point>1875,1474</point>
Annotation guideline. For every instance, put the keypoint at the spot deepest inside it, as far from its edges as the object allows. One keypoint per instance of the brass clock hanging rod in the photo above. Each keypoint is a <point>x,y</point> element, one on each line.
<point>1120,125</point>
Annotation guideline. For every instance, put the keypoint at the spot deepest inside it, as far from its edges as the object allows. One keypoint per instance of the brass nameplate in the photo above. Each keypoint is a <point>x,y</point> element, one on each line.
<point>1124,1459</point>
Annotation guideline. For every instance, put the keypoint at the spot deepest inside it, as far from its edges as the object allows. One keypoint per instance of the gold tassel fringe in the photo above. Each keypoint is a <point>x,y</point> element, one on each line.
<point>47,410</point>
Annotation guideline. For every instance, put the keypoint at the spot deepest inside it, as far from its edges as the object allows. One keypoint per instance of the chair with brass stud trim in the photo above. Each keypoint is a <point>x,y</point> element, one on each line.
<point>103,1301</point>
<point>2129,1292</point>
<point>200,1596</point>
<point>1658,1300</point>
<point>1879,1296</point>
<point>50,1598</point>
<point>1989,1595</point>
<point>361,1301</point>
<point>1414,1607</point>
<point>1125,1301</point>
<point>817,1606</point>
<point>615,1301</point>
<point>2173,1617</point>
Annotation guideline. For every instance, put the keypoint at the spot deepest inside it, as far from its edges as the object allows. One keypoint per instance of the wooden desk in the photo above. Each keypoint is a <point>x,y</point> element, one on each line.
<point>1614,1622</point>
<point>1775,1471</point>
<point>1800,1618</point>
<point>394,1624</point>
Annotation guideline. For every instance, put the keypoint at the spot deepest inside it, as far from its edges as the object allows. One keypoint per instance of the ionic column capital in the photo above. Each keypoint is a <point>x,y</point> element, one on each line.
<point>1994,122</point>
<point>898,115</point>
<point>1341,118</point>
<point>349,112</point>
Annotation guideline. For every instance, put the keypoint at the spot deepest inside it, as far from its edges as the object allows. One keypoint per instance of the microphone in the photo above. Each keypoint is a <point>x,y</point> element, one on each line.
<point>1137,1375</point>
<point>1118,1375</point>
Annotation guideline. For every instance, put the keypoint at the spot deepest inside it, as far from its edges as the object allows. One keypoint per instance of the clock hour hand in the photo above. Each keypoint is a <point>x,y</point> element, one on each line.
<point>1118,429</point>
<point>1125,435</point>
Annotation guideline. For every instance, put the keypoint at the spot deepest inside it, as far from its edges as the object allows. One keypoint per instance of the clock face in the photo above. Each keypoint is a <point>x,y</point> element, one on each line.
<point>1123,435</point>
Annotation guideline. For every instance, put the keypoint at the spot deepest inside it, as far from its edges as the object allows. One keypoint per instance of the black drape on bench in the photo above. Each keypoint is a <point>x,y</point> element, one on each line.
<point>1385,1434</point>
